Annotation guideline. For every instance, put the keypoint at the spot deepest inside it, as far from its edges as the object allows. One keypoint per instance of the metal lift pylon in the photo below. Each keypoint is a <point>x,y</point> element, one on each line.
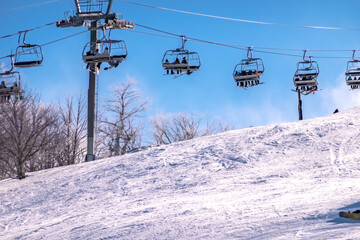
<point>111,21</point>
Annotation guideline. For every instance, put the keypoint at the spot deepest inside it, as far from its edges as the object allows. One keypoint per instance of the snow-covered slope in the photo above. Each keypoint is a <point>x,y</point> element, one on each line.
<point>283,181</point>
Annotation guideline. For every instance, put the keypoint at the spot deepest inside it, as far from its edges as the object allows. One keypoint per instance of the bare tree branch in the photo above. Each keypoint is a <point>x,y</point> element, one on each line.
<point>121,126</point>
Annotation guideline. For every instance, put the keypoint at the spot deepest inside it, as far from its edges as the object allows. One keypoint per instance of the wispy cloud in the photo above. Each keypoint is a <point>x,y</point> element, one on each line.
<point>27,6</point>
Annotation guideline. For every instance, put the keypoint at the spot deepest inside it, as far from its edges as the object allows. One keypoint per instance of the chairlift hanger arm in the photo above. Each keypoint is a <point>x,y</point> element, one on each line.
<point>250,52</point>
<point>77,5</point>
<point>12,66</point>
<point>24,36</point>
<point>353,56</point>
<point>304,55</point>
<point>109,6</point>
<point>183,39</point>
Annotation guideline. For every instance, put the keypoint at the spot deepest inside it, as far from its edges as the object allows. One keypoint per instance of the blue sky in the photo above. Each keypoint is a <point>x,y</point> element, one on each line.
<point>210,92</point>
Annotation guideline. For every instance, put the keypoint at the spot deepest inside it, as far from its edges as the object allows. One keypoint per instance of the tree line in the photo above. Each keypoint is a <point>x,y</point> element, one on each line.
<point>36,136</point>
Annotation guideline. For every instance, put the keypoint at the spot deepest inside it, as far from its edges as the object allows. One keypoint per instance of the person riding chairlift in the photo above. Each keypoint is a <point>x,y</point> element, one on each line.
<point>184,60</point>
<point>16,89</point>
<point>106,51</point>
<point>4,98</point>
<point>90,53</point>
<point>97,68</point>
<point>3,85</point>
<point>167,61</point>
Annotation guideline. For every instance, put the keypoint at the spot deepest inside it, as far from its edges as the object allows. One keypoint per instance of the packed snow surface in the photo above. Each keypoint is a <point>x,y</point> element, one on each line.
<point>282,181</point>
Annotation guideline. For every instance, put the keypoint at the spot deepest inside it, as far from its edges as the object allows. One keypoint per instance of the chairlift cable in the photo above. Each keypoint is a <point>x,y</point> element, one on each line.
<point>60,39</point>
<point>217,43</point>
<point>242,47</point>
<point>153,34</point>
<point>240,20</point>
<point>299,50</point>
<point>327,57</point>
<point>48,43</point>
<point>245,47</point>
<point>27,30</point>
<point>158,30</point>
<point>175,36</point>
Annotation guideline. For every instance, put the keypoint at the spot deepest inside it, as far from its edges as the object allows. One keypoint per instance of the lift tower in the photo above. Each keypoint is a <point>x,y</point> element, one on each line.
<point>89,14</point>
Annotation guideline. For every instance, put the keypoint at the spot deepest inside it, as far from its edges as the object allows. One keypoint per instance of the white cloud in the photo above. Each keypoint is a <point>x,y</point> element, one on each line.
<point>340,95</point>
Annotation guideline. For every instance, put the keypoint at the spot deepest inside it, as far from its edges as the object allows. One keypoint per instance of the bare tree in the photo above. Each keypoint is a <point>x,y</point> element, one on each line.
<point>216,126</point>
<point>24,124</point>
<point>121,126</point>
<point>4,170</point>
<point>183,126</point>
<point>48,155</point>
<point>73,124</point>
<point>175,128</point>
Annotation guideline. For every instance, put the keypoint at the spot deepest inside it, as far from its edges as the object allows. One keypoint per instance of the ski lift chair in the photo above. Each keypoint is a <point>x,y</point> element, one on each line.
<point>28,55</point>
<point>352,74</point>
<point>305,77</point>
<point>109,50</point>
<point>247,73</point>
<point>181,61</point>
<point>12,83</point>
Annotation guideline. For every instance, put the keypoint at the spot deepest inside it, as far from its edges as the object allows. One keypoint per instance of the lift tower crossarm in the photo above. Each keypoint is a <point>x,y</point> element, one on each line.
<point>79,21</point>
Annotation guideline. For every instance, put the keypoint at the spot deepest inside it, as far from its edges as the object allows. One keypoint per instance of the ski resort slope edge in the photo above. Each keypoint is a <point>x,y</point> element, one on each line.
<point>282,181</point>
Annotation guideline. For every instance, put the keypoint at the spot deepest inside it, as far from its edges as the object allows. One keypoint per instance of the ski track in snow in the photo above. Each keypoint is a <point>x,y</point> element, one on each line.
<point>281,181</point>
